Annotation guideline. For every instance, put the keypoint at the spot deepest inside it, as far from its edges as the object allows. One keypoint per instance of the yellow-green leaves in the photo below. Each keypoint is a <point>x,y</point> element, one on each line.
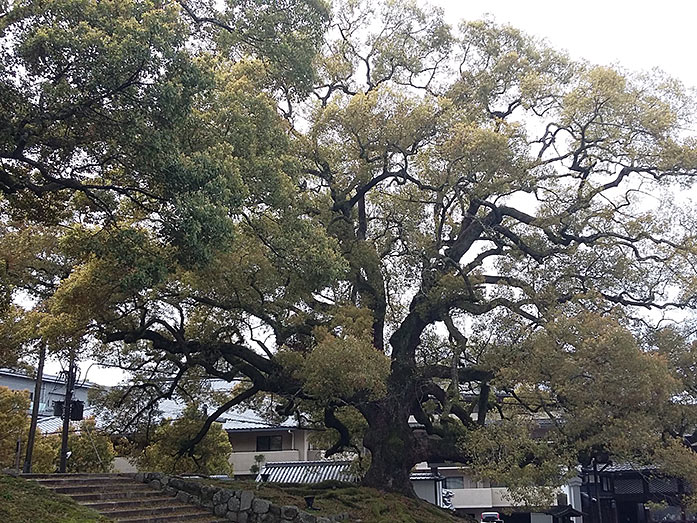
<point>591,373</point>
<point>490,161</point>
<point>360,133</point>
<point>343,365</point>
<point>681,461</point>
<point>678,156</point>
<point>91,450</point>
<point>629,118</point>
<point>284,36</point>
<point>510,453</point>
<point>503,69</point>
<point>15,423</point>
<point>346,367</point>
<point>396,41</point>
<point>162,454</point>
<point>13,417</point>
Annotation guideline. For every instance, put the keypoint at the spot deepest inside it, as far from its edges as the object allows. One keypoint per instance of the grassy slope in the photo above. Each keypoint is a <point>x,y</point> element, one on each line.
<point>362,504</point>
<point>22,501</point>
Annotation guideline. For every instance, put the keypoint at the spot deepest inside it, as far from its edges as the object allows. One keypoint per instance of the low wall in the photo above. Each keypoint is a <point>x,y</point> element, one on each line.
<point>242,506</point>
<point>242,461</point>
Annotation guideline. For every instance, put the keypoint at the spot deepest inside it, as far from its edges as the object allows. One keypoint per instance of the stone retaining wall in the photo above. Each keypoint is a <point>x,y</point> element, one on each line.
<point>242,506</point>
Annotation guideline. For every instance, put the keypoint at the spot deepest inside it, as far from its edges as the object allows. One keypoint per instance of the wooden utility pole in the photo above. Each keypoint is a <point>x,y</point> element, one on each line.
<point>69,385</point>
<point>18,454</point>
<point>35,410</point>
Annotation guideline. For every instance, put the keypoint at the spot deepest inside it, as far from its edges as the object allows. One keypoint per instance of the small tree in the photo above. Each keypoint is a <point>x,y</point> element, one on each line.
<point>14,423</point>
<point>91,450</point>
<point>45,455</point>
<point>164,453</point>
<point>259,460</point>
<point>15,427</point>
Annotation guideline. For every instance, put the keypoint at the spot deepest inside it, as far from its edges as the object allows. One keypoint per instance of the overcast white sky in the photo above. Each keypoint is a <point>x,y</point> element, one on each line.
<point>638,35</point>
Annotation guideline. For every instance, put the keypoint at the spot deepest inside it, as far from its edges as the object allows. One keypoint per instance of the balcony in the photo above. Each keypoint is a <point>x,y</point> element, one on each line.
<point>243,461</point>
<point>500,497</point>
<point>481,497</point>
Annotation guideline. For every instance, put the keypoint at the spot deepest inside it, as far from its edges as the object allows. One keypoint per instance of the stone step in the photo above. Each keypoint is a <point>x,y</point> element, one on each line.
<point>98,487</point>
<point>192,515</point>
<point>102,480</point>
<point>162,510</point>
<point>117,494</point>
<point>58,475</point>
<point>121,498</point>
<point>150,502</point>
<point>173,519</point>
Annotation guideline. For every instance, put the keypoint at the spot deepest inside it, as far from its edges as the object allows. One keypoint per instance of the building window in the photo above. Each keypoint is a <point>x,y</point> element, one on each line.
<point>265,443</point>
<point>455,482</point>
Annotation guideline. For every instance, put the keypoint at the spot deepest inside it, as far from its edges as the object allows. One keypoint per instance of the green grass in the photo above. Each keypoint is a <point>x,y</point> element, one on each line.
<point>362,504</point>
<point>23,501</point>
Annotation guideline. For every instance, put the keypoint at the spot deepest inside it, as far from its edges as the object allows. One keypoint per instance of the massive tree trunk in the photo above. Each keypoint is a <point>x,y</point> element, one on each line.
<point>392,446</point>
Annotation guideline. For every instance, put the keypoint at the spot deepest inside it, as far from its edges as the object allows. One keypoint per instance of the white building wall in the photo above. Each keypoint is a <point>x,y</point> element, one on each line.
<point>294,447</point>
<point>479,496</point>
<point>573,494</point>
<point>472,498</point>
<point>540,518</point>
<point>242,461</point>
<point>122,465</point>
<point>50,391</point>
<point>426,490</point>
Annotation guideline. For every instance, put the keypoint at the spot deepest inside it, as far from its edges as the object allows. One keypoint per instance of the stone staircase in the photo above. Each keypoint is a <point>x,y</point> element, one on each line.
<point>121,498</point>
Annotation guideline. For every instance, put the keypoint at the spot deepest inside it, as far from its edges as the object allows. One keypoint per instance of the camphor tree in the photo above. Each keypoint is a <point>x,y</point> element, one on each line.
<point>454,225</point>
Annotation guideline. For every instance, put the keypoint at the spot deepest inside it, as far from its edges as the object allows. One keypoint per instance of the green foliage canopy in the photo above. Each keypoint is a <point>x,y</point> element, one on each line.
<point>469,221</point>
<point>91,449</point>
<point>163,453</point>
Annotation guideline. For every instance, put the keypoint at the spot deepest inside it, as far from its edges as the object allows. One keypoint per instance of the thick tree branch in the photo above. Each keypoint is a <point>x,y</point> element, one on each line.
<point>190,446</point>
<point>332,422</point>
<point>464,374</point>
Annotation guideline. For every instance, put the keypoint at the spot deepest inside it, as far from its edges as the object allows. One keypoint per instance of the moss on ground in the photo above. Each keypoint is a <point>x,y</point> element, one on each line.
<point>22,501</point>
<point>363,504</point>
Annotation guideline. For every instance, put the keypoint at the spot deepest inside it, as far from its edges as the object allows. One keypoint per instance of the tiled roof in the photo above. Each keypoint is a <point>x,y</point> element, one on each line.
<point>325,470</point>
<point>48,378</point>
<point>620,467</point>
<point>54,424</point>
<point>425,476</point>
<point>238,421</point>
<point>562,511</point>
<point>307,471</point>
<point>625,467</point>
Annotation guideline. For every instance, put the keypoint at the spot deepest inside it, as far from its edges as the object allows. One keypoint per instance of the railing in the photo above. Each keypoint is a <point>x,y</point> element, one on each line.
<point>481,497</point>
<point>472,498</point>
<point>500,497</point>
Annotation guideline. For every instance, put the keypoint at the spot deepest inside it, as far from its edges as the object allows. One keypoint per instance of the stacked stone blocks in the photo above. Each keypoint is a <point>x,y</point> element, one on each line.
<point>241,506</point>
